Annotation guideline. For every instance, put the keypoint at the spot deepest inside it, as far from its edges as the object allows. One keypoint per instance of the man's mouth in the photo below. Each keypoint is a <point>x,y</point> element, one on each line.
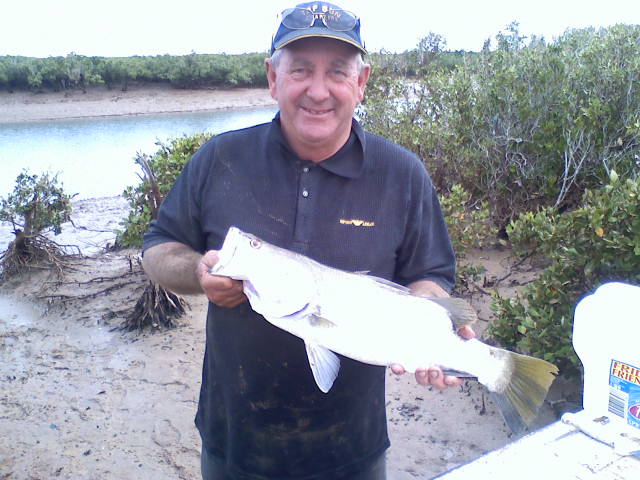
<point>315,111</point>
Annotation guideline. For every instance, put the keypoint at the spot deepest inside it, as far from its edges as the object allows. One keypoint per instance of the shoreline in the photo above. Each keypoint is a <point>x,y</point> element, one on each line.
<point>138,100</point>
<point>128,114</point>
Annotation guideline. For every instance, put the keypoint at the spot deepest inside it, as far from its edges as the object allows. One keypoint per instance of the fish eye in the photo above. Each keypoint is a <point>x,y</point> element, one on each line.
<point>255,243</point>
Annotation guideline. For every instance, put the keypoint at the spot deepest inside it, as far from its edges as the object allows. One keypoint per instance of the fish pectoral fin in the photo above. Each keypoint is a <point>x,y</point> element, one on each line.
<point>321,322</point>
<point>324,364</point>
<point>462,314</point>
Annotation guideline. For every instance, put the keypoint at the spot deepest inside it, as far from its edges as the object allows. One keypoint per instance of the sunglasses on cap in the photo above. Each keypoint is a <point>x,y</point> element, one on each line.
<point>337,20</point>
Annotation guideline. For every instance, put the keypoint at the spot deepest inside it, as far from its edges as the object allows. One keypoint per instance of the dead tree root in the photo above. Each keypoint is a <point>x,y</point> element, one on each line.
<point>156,308</point>
<point>26,254</point>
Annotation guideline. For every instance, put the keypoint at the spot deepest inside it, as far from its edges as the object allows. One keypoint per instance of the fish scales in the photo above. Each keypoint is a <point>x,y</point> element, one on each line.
<point>375,321</point>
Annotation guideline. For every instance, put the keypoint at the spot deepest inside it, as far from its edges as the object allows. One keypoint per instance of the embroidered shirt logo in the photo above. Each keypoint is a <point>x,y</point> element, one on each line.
<point>357,222</point>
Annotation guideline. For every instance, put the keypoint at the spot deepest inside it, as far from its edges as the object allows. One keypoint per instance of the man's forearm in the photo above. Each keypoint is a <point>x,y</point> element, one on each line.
<point>173,265</point>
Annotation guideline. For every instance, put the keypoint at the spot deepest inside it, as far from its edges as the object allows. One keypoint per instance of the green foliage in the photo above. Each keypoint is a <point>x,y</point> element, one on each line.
<point>159,173</point>
<point>594,244</point>
<point>522,125</point>
<point>38,204</point>
<point>468,225</point>
<point>467,221</point>
<point>77,71</point>
<point>430,54</point>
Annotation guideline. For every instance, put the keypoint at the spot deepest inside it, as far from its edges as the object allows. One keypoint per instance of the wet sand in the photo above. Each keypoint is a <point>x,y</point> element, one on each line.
<point>81,399</point>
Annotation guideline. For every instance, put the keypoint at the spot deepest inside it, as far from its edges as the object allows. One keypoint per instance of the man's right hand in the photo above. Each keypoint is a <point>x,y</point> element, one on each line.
<point>223,291</point>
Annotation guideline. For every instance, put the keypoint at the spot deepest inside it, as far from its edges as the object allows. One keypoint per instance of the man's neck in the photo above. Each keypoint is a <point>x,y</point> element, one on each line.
<point>316,153</point>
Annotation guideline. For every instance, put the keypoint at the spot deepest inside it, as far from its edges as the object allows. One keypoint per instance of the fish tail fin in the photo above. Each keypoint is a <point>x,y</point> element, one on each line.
<point>525,390</point>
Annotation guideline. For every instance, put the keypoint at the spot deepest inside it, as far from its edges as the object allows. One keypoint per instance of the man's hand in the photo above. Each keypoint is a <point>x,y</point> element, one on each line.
<point>433,376</point>
<point>223,291</point>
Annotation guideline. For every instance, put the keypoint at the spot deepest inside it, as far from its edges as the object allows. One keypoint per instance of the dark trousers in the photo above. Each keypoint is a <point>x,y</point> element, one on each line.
<point>214,469</point>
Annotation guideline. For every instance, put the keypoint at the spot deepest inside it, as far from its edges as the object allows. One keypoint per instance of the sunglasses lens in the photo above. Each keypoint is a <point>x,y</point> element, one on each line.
<point>297,18</point>
<point>340,20</point>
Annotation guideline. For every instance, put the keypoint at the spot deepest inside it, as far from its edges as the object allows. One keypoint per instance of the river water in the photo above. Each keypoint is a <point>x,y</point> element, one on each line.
<point>94,157</point>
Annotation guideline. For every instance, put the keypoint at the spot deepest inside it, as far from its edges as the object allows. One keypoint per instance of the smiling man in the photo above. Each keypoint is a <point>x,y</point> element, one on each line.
<point>318,82</point>
<point>312,181</point>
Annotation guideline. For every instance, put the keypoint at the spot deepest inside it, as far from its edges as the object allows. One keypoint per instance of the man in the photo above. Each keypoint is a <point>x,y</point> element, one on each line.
<point>314,182</point>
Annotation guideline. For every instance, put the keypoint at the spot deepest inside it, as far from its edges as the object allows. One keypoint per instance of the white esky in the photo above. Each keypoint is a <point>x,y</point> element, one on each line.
<point>43,28</point>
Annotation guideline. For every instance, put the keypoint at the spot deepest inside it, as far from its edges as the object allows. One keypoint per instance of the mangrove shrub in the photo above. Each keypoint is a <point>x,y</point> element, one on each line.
<point>159,172</point>
<point>596,243</point>
<point>36,206</point>
<point>524,124</point>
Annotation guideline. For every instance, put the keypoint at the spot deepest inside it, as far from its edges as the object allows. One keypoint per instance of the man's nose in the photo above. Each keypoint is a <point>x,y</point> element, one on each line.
<point>318,90</point>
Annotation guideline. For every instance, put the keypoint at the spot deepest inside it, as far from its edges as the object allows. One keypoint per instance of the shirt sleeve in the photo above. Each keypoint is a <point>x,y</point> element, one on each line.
<point>426,252</point>
<point>179,215</point>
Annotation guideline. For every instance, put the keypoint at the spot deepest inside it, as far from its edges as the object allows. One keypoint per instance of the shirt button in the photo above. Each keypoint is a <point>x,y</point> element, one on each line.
<point>305,169</point>
<point>305,193</point>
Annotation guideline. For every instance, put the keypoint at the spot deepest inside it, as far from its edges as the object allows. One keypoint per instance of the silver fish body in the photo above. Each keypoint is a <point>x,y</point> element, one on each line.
<point>376,322</point>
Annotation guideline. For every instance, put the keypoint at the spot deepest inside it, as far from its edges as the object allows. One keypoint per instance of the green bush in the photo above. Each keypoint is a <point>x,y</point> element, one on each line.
<point>159,173</point>
<point>520,125</point>
<point>185,71</point>
<point>37,205</point>
<point>467,220</point>
<point>594,244</point>
<point>468,225</point>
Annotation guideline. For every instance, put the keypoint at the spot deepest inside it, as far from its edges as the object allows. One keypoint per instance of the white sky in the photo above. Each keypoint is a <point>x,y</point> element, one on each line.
<point>41,28</point>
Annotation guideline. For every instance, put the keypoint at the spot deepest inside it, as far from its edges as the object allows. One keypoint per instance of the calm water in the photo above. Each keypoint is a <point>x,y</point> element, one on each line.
<point>95,156</point>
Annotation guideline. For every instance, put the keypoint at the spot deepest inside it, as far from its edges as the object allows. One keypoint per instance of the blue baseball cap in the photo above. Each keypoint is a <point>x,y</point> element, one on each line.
<point>318,19</point>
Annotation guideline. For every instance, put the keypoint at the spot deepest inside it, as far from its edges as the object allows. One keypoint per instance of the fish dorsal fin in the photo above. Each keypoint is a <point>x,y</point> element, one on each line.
<point>324,364</point>
<point>460,311</point>
<point>390,284</point>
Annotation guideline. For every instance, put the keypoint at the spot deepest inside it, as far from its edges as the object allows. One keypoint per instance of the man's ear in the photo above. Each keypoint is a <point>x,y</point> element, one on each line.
<point>363,78</point>
<point>271,78</point>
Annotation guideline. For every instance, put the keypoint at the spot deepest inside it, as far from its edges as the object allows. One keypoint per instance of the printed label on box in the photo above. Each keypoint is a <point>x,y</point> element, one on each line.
<point>624,392</point>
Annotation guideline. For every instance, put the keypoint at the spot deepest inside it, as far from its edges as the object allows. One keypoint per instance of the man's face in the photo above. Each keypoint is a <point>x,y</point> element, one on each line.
<point>318,84</point>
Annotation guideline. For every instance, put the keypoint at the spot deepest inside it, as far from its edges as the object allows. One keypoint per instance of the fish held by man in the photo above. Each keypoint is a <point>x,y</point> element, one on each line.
<point>375,321</point>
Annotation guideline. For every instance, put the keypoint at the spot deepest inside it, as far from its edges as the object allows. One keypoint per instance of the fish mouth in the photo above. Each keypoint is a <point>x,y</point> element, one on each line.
<point>223,260</point>
<point>226,253</point>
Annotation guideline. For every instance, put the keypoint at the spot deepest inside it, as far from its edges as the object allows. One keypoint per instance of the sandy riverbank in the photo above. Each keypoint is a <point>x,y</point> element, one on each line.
<point>81,400</point>
<point>137,100</point>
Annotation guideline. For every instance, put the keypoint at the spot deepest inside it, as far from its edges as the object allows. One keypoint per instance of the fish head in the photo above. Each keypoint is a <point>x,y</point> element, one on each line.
<point>276,282</point>
<point>232,255</point>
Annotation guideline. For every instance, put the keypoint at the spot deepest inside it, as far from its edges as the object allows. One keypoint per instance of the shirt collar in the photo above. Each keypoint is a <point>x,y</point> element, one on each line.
<point>347,162</point>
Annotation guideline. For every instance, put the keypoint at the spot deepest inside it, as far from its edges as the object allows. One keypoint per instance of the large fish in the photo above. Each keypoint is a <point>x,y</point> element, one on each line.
<point>377,322</point>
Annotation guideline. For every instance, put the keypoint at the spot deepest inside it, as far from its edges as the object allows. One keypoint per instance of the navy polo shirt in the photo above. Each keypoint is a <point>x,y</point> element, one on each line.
<point>370,207</point>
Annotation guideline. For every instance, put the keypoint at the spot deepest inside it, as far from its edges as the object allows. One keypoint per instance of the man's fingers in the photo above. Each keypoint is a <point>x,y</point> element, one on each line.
<point>450,381</point>
<point>467,333</point>
<point>210,258</point>
<point>223,284</point>
<point>222,291</point>
<point>430,377</point>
